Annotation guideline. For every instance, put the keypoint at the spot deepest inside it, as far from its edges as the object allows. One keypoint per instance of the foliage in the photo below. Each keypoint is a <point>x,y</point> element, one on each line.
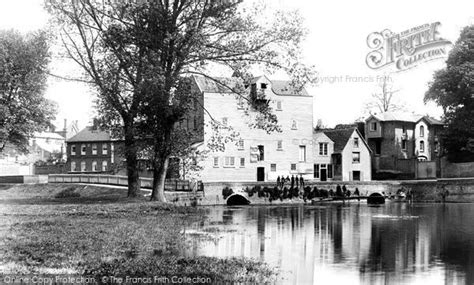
<point>226,192</point>
<point>211,268</point>
<point>384,100</point>
<point>79,236</point>
<point>23,74</point>
<point>141,55</point>
<point>452,88</point>
<point>68,193</point>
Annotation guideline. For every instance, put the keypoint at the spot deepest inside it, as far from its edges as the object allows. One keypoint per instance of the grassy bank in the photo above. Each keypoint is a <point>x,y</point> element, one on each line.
<point>94,231</point>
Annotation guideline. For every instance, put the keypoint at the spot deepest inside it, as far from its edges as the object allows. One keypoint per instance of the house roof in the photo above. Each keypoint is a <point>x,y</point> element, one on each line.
<point>279,87</point>
<point>431,121</point>
<point>396,116</point>
<point>339,137</point>
<point>89,134</point>
<point>218,85</point>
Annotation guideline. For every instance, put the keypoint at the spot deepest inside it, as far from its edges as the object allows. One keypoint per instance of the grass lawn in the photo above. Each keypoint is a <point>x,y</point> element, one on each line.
<point>83,230</point>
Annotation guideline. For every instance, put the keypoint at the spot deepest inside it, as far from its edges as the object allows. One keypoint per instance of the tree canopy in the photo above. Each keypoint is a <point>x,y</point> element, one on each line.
<point>384,99</point>
<point>140,56</point>
<point>23,74</point>
<point>452,88</point>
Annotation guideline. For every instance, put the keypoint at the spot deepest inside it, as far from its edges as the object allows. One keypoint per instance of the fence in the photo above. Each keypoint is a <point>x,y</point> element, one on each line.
<point>425,169</point>
<point>170,184</point>
<point>395,168</point>
<point>451,170</point>
<point>50,169</point>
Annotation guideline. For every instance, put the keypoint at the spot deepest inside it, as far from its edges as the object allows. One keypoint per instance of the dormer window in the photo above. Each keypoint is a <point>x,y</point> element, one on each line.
<point>263,85</point>
<point>258,99</point>
<point>422,131</point>
<point>373,126</point>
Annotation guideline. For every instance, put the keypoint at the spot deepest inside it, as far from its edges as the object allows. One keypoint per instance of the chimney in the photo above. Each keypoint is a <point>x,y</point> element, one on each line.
<point>95,124</point>
<point>65,126</point>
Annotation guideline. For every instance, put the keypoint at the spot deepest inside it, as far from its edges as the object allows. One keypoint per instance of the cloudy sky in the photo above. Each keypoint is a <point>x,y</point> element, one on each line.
<point>336,44</point>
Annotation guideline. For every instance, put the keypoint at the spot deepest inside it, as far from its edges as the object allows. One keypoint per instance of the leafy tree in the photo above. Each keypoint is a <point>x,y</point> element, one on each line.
<point>452,88</point>
<point>384,99</point>
<point>23,74</point>
<point>141,56</point>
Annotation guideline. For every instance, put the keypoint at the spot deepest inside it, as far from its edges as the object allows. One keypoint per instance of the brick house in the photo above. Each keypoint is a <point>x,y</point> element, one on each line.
<point>93,151</point>
<point>398,139</point>
<point>341,154</point>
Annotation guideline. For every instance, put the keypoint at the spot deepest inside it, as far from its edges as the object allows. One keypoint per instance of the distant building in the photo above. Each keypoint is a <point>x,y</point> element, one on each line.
<point>94,151</point>
<point>46,146</point>
<point>257,155</point>
<point>397,139</point>
<point>68,130</point>
<point>427,140</point>
<point>341,154</point>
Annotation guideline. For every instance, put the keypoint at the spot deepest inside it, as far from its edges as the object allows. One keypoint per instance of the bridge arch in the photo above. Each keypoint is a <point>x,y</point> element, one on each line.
<point>236,199</point>
<point>376,198</point>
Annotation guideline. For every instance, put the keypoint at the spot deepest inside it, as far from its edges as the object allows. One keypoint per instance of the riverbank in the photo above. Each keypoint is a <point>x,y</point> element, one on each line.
<point>52,230</point>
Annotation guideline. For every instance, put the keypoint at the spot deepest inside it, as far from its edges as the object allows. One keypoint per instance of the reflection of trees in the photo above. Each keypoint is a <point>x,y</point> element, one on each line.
<point>453,236</point>
<point>393,246</point>
<point>403,247</point>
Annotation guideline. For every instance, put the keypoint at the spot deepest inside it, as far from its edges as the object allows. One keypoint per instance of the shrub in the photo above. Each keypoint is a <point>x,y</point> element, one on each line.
<point>217,270</point>
<point>67,193</point>
<point>226,192</point>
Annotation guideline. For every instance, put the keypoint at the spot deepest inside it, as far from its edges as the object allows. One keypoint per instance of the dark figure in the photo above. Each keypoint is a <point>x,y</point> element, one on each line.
<point>348,193</point>
<point>297,181</point>
<point>331,193</point>
<point>315,192</point>
<point>292,181</point>
<point>285,193</point>
<point>344,190</point>
<point>287,179</point>
<point>339,192</point>
<point>278,181</point>
<point>307,193</point>
<point>301,181</point>
<point>295,192</point>
<point>356,193</point>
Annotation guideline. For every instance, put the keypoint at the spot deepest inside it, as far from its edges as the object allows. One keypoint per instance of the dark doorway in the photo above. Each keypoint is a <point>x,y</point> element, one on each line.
<point>356,175</point>
<point>260,173</point>
<point>324,174</point>
<point>378,147</point>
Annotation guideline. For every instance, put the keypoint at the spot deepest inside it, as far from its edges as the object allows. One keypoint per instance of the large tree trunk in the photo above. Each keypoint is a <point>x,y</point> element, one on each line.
<point>159,178</point>
<point>132,164</point>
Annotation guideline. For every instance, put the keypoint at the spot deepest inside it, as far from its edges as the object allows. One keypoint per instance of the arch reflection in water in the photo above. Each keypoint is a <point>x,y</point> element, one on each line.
<point>396,243</point>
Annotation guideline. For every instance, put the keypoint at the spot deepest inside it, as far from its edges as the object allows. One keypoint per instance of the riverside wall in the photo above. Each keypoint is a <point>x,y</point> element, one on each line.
<point>448,190</point>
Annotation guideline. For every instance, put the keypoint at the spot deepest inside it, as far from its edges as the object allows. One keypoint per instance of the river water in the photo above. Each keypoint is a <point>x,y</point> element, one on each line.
<point>352,243</point>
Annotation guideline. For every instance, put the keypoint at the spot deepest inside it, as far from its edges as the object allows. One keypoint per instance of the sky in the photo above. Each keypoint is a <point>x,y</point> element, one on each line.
<point>336,45</point>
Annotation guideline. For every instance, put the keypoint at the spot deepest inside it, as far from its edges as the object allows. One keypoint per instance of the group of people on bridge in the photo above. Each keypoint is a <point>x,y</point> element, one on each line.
<point>281,192</point>
<point>292,182</point>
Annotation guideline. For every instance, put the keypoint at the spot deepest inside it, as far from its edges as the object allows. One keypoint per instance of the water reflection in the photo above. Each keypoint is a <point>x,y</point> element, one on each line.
<point>352,244</point>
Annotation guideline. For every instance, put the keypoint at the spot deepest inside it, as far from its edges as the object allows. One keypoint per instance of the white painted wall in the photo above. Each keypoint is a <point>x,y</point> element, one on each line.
<point>298,108</point>
<point>365,162</point>
<point>424,138</point>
